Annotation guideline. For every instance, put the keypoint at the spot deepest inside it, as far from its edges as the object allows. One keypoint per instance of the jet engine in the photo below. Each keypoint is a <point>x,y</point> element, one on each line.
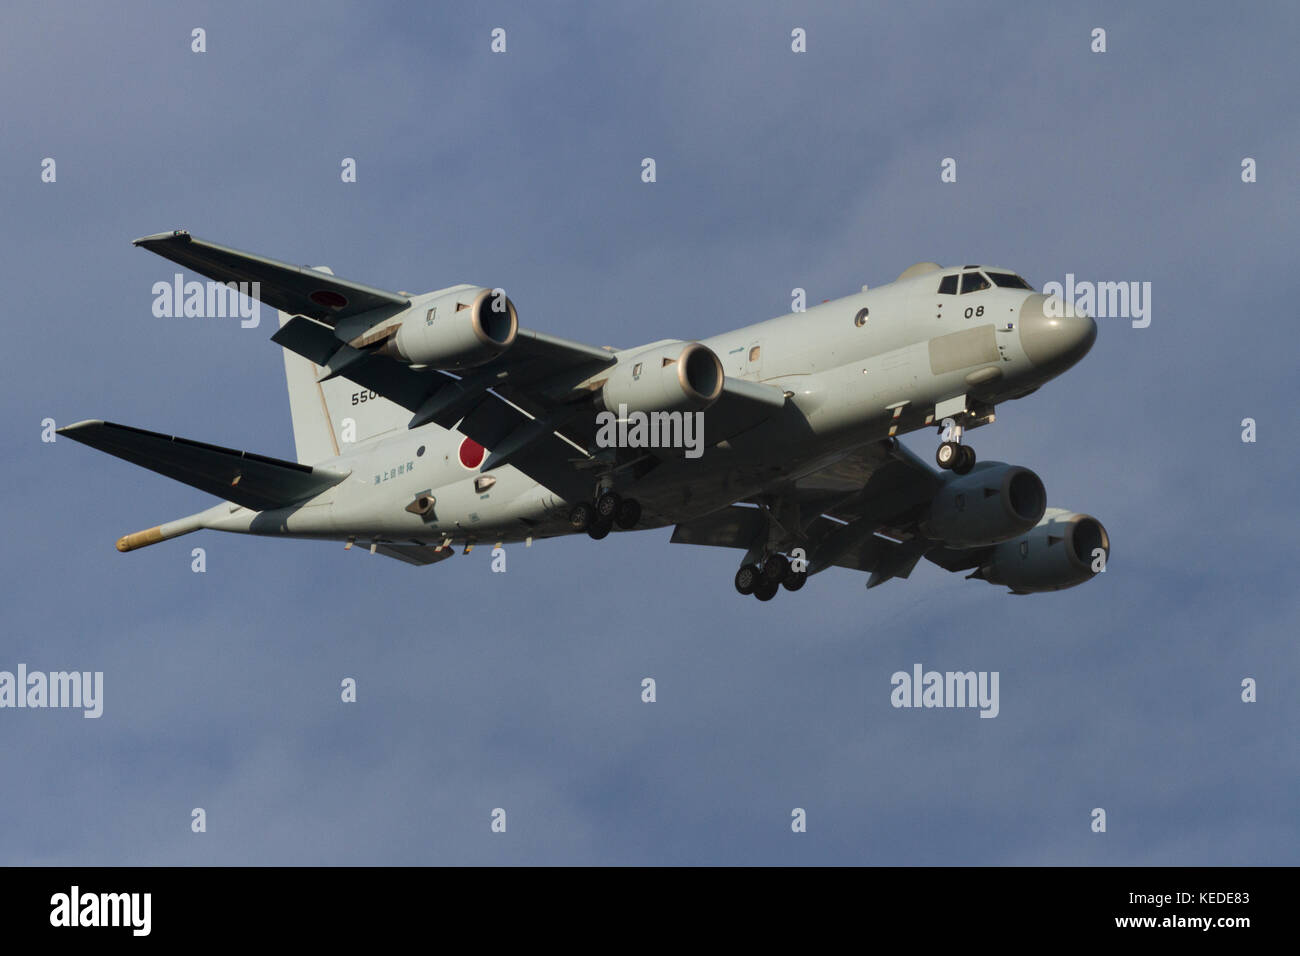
<point>674,377</point>
<point>993,502</point>
<point>459,329</point>
<point>1063,550</point>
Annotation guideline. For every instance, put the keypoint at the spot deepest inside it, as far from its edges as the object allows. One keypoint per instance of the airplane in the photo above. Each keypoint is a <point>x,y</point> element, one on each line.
<point>428,423</point>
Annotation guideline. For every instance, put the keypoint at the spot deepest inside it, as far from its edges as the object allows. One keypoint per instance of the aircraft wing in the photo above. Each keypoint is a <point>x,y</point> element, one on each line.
<point>476,404</point>
<point>298,290</point>
<point>520,406</point>
<point>533,407</point>
<point>858,512</point>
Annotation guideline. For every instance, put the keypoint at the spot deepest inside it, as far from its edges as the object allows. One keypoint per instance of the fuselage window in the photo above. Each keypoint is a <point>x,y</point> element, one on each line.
<point>948,285</point>
<point>754,352</point>
<point>973,282</point>
<point>1006,280</point>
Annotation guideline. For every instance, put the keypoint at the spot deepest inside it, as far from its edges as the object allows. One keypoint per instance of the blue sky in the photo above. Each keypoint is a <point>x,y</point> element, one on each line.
<point>775,170</point>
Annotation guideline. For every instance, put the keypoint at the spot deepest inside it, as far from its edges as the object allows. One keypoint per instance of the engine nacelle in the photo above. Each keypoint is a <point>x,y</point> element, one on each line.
<point>1063,550</point>
<point>993,502</point>
<point>459,329</point>
<point>676,377</point>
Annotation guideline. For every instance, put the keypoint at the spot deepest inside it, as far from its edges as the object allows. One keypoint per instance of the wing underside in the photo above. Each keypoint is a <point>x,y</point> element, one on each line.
<point>859,512</point>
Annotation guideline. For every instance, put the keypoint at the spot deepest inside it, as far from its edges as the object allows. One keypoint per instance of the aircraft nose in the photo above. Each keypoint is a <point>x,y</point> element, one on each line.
<point>1054,333</point>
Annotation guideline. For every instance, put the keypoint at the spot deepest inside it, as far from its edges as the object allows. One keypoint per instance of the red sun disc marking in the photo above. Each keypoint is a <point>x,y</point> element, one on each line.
<point>471,453</point>
<point>328,298</point>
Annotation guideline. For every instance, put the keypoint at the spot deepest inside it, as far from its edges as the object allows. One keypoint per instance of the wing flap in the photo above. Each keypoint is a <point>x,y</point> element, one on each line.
<point>731,527</point>
<point>417,554</point>
<point>741,406</point>
<point>558,352</point>
<point>396,381</point>
<point>254,481</point>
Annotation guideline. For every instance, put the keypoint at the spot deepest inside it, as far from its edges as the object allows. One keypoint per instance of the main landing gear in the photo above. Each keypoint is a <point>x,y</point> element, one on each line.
<point>599,517</point>
<point>763,581</point>
<point>952,454</point>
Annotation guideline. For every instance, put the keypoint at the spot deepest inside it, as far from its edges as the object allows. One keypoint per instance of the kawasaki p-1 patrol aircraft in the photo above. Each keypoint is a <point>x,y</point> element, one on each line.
<point>427,423</point>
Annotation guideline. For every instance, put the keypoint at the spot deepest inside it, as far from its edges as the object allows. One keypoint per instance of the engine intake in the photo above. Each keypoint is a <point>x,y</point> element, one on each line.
<point>460,329</point>
<point>676,377</point>
<point>1062,550</point>
<point>993,502</point>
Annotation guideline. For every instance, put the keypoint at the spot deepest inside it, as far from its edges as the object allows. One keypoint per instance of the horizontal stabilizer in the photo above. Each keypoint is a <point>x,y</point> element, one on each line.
<point>297,290</point>
<point>254,481</point>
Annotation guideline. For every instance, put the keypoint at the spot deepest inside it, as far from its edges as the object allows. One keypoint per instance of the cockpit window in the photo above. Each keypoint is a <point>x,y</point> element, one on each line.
<point>948,285</point>
<point>1006,280</point>
<point>973,282</point>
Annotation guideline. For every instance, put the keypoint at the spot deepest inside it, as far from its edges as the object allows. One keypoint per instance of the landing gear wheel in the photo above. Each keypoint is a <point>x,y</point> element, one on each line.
<point>628,513</point>
<point>766,590</point>
<point>599,527</point>
<point>948,455</point>
<point>607,505</point>
<point>775,568</point>
<point>746,578</point>
<point>794,580</point>
<point>965,460</point>
<point>580,517</point>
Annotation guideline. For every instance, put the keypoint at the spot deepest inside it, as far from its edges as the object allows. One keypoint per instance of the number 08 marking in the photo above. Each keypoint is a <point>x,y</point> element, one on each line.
<point>974,312</point>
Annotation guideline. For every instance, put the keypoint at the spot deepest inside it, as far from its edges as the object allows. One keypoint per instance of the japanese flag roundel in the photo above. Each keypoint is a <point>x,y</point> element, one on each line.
<point>471,454</point>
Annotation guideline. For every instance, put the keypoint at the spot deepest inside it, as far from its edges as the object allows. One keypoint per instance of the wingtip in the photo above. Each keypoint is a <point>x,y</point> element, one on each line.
<point>158,237</point>
<point>78,426</point>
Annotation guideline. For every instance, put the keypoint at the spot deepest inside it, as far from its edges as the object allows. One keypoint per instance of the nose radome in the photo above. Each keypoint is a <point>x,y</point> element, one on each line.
<point>1053,333</point>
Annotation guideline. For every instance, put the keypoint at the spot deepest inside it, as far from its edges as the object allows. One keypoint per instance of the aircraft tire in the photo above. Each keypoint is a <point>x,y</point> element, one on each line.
<point>949,454</point>
<point>766,590</point>
<point>965,459</point>
<point>580,517</point>
<point>599,527</point>
<point>607,505</point>
<point>794,580</point>
<point>628,513</point>
<point>776,568</point>
<point>746,578</point>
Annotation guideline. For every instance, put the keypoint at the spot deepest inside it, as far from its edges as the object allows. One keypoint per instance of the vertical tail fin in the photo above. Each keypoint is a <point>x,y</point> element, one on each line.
<point>328,417</point>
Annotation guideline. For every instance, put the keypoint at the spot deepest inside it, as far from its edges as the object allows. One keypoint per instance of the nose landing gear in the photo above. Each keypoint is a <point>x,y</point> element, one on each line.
<point>952,454</point>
